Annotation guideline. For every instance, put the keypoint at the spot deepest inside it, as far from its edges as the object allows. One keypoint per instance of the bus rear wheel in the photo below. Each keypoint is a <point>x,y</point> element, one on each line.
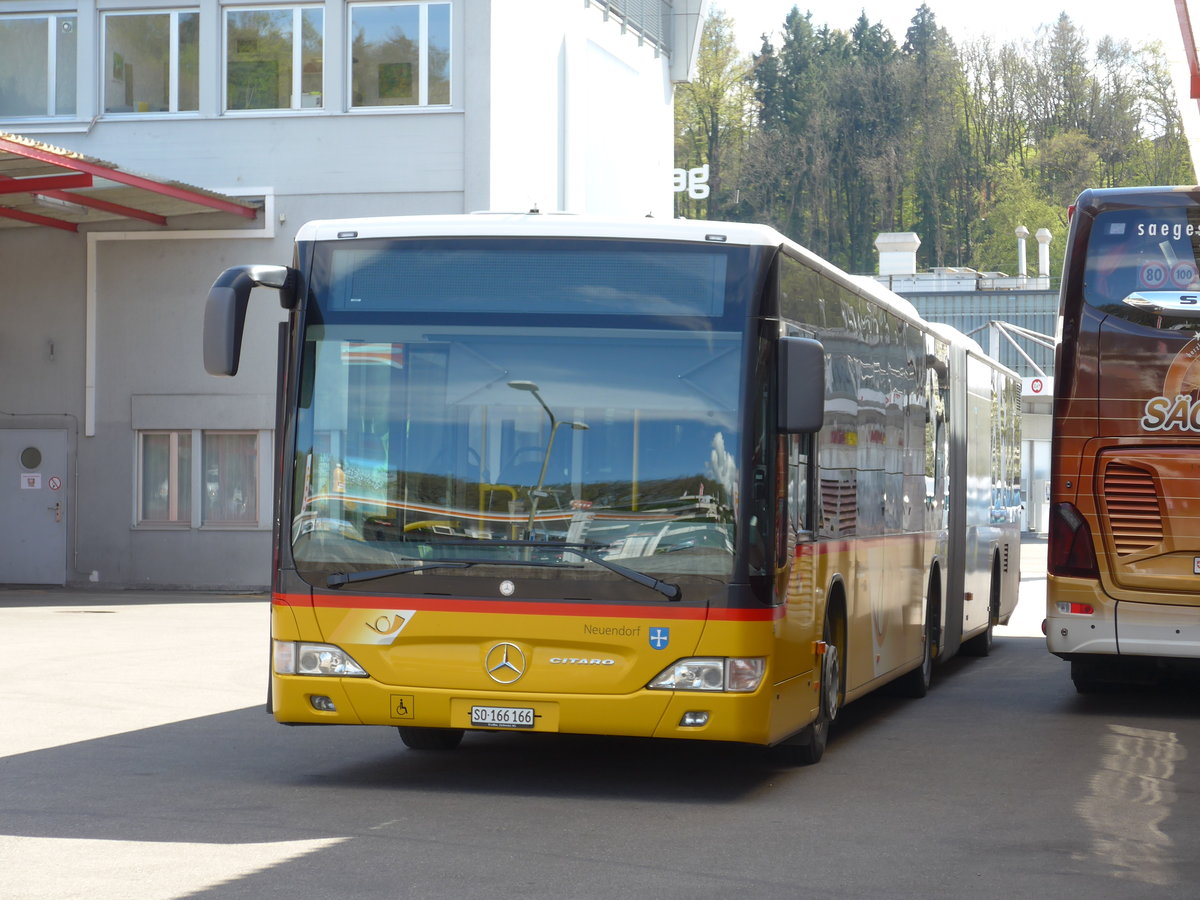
<point>981,644</point>
<point>430,738</point>
<point>915,684</point>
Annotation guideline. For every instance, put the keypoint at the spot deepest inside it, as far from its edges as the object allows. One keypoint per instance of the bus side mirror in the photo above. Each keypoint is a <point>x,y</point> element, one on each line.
<point>801,385</point>
<point>225,311</point>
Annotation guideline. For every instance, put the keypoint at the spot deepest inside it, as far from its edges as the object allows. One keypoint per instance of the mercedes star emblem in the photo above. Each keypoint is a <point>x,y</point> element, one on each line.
<point>504,663</point>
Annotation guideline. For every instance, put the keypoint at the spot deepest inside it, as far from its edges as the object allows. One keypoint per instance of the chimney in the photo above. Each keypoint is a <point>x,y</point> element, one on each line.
<point>1043,238</point>
<point>897,252</point>
<point>1022,234</point>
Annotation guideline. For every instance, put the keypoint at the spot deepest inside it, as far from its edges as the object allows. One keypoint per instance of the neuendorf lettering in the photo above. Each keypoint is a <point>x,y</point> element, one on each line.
<point>613,630</point>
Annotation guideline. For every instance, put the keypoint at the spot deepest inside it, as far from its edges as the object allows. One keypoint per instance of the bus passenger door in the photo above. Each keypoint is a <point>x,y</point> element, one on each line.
<point>797,540</point>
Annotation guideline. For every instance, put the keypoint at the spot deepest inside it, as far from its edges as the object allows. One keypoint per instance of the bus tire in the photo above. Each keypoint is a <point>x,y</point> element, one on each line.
<point>430,738</point>
<point>1092,677</point>
<point>981,644</point>
<point>915,684</point>
<point>807,747</point>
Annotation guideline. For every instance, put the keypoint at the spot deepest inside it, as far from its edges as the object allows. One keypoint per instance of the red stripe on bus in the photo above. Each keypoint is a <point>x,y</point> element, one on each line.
<point>527,608</point>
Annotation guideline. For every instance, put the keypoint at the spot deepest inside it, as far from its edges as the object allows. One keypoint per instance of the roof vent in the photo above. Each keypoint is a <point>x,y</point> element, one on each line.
<point>897,252</point>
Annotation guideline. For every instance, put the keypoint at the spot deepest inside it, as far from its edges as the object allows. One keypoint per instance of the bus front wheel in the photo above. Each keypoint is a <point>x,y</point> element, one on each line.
<point>807,747</point>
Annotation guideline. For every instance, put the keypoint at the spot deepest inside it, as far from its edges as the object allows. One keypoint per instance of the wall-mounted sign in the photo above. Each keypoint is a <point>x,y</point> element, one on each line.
<point>1037,387</point>
<point>31,481</point>
<point>694,181</point>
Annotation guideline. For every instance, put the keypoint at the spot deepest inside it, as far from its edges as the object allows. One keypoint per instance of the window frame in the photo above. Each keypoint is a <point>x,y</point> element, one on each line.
<point>296,101</point>
<point>422,104</point>
<point>263,474</point>
<point>173,61</point>
<point>174,498</point>
<point>53,22</point>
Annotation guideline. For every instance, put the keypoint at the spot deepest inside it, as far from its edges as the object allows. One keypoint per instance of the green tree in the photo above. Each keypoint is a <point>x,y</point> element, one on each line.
<point>1018,201</point>
<point>1058,88</point>
<point>1064,165</point>
<point>1114,117</point>
<point>787,158</point>
<point>1163,155</point>
<point>939,183</point>
<point>712,119</point>
<point>834,136</point>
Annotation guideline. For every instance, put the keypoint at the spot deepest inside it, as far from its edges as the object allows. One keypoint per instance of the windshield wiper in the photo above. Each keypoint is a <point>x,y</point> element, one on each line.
<point>339,579</point>
<point>670,591</point>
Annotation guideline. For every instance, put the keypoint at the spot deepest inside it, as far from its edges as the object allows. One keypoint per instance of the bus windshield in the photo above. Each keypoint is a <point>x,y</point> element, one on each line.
<point>1142,266</point>
<point>472,421</point>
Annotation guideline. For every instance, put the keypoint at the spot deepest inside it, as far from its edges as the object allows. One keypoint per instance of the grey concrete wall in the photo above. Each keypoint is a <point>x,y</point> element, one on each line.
<point>150,374</point>
<point>296,155</point>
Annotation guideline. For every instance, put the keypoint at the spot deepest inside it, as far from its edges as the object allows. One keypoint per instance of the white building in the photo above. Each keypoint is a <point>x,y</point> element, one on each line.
<point>121,462</point>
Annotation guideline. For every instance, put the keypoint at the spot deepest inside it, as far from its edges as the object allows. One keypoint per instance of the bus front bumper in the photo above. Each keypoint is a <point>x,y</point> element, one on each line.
<point>753,718</point>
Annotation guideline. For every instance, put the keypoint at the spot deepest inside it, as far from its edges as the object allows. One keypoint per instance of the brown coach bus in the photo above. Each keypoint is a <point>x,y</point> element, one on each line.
<point>1123,574</point>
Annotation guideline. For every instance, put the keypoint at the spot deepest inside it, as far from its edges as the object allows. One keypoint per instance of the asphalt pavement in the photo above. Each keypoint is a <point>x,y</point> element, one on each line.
<point>94,674</point>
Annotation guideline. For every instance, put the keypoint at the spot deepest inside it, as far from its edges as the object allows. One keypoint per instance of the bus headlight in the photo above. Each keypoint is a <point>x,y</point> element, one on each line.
<point>740,674</point>
<point>302,658</point>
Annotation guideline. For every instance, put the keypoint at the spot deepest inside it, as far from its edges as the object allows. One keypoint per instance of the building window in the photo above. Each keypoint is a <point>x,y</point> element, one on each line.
<point>151,62</point>
<point>220,488</point>
<point>399,54</point>
<point>230,478</point>
<point>37,66</point>
<point>274,58</point>
<point>166,478</point>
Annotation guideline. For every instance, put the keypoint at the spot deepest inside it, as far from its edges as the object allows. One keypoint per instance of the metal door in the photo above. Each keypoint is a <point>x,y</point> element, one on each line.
<point>33,521</point>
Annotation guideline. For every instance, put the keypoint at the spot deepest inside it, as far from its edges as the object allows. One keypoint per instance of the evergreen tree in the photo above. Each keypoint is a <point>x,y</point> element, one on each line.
<point>833,136</point>
<point>712,118</point>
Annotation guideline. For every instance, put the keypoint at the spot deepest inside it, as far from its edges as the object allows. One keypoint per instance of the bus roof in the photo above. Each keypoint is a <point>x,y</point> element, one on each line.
<point>570,225</point>
<point>1138,196</point>
<point>952,335</point>
<point>541,225</point>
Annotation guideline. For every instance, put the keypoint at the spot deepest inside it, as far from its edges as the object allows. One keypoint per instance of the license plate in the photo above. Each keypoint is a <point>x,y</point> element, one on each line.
<point>502,716</point>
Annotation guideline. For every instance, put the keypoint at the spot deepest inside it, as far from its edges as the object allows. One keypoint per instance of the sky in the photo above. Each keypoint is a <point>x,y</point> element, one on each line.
<point>1018,20</point>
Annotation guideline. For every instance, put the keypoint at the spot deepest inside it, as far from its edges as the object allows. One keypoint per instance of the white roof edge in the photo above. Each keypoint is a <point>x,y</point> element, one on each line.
<point>868,285</point>
<point>541,225</point>
<point>954,336</point>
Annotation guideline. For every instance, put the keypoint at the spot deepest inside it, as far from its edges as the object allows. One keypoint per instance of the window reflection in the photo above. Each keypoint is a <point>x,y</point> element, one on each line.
<point>140,58</point>
<point>400,54</point>
<point>261,46</point>
<point>430,437</point>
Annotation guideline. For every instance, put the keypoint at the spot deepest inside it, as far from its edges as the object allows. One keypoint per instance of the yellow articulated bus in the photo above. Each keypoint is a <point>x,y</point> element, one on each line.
<point>661,479</point>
